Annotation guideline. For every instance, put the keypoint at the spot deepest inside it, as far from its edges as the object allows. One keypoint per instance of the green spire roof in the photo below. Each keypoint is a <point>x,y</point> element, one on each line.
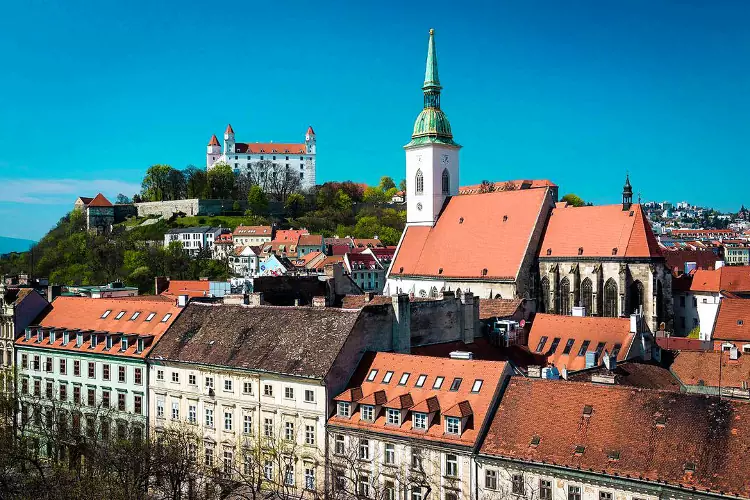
<point>432,126</point>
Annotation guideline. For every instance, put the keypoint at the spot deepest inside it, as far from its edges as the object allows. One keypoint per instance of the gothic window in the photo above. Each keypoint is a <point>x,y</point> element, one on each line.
<point>610,299</point>
<point>635,297</point>
<point>659,303</point>
<point>565,297</point>
<point>446,182</point>
<point>419,182</point>
<point>587,296</point>
<point>543,306</point>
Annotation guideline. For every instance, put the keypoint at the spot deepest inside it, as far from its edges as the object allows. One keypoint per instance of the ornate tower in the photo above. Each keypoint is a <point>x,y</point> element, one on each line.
<point>627,194</point>
<point>431,155</point>
<point>228,140</point>
<point>213,151</point>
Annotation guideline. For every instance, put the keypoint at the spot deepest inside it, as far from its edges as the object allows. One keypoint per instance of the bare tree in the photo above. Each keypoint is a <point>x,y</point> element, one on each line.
<point>278,181</point>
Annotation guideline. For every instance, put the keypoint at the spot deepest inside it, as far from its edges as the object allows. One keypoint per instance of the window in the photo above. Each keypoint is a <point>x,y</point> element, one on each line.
<point>605,495</point>
<point>76,393</point>
<point>63,392</point>
<point>344,409</point>
<point>105,398</point>
<point>490,479</point>
<point>339,446</point>
<point>416,493</point>
<point>268,470</point>
<point>310,435</point>
<point>289,431</point>
<point>393,416</point>
<point>63,366</point>
<point>420,380</point>
<point>371,376</point>
<point>210,418</point>
<point>150,316</point>
<point>247,388</point>
<point>367,413</point>
<point>37,387</point>
<point>584,347</point>
<point>228,462</point>
<point>106,313</point>
<point>138,376</point>
<point>438,383</point>
<point>121,374</point>
<point>288,393</point>
<point>159,374</point>
<point>610,302</point>
<point>48,365</point>
<point>419,182</point>
<point>451,465</point>
<point>91,397</point>
<point>599,349</point>
<point>176,377</point>
<point>267,390</point>
<point>456,384</point>
<point>364,449</point>
<point>37,363</point>
<point>121,401</point>
<point>309,396</point>
<point>209,457</point>
<point>404,378</point>
<point>138,404</point>
<point>364,485</point>
<point>541,343</point>
<point>446,182</point>
<point>76,368</point>
<point>390,454</point>
<point>416,458</point>
<point>48,389</point>
<point>387,377</point>
<point>268,427</point>
<point>227,420</point>
<point>553,346</point>
<point>166,317</point>
<point>309,477</point>
<point>209,382</point>
<point>545,489</point>
<point>120,314</point>
<point>105,371</point>
<point>228,385</point>
<point>569,346</point>
<point>477,386</point>
<point>192,414</point>
<point>191,379</point>
<point>574,492</point>
<point>419,421</point>
<point>517,484</point>
<point>247,424</point>
<point>452,425</point>
<point>389,490</point>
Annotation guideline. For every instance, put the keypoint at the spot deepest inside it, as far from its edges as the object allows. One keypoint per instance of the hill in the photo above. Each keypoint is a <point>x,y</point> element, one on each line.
<point>8,245</point>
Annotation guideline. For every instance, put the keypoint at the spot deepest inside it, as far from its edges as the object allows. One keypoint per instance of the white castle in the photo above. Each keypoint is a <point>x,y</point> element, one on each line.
<point>300,158</point>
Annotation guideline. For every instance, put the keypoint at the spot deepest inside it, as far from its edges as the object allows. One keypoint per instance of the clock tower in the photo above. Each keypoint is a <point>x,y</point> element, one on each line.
<point>431,155</point>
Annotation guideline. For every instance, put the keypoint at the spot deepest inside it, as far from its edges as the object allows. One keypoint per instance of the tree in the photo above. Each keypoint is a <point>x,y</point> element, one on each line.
<point>374,195</point>
<point>257,201</point>
<point>402,185</point>
<point>343,201</point>
<point>574,200</point>
<point>386,183</point>
<point>122,199</point>
<point>155,184</point>
<point>278,181</point>
<point>294,205</point>
<point>220,181</point>
<point>486,186</point>
<point>196,182</point>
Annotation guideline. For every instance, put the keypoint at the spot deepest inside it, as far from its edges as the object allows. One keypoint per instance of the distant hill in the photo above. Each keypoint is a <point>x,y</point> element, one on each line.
<point>8,245</point>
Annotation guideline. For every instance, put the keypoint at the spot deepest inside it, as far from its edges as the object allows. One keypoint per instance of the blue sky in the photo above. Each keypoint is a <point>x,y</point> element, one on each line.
<point>578,92</point>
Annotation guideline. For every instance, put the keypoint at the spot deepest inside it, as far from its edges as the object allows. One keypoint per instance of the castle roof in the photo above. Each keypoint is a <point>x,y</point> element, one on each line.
<point>310,130</point>
<point>269,148</point>
<point>214,141</point>
<point>99,201</point>
<point>229,129</point>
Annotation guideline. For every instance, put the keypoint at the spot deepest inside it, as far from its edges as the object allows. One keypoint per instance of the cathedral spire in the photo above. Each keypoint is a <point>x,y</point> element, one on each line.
<point>431,79</point>
<point>627,194</point>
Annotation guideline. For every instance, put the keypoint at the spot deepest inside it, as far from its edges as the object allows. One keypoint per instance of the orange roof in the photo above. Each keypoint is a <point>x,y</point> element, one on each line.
<point>726,278</point>
<point>499,308</point>
<point>311,240</point>
<point>191,288</point>
<point>229,129</point>
<point>290,235</point>
<point>83,313</point>
<point>368,243</point>
<point>622,436</point>
<point>214,141</point>
<point>596,330</point>
<point>310,130</point>
<point>269,147</point>
<point>596,231</point>
<point>409,369</point>
<point>489,232</point>
<point>99,201</point>
<point>311,256</point>
<point>733,320</point>
<point>331,259</point>
<point>253,231</point>
<point>508,186</point>
<point>704,368</point>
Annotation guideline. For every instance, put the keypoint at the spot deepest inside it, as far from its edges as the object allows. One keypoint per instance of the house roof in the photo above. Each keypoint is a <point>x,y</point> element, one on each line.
<point>269,148</point>
<point>461,402</point>
<point>310,258</point>
<point>705,432</point>
<point>726,278</point>
<point>507,186</point>
<point>368,243</point>
<point>302,341</point>
<point>85,199</point>
<point>676,259</point>
<point>253,231</point>
<point>733,320</point>
<point>99,201</point>
<point>632,374</point>
<point>360,301</point>
<point>83,313</point>
<point>290,235</point>
<point>191,288</point>
<point>192,230</point>
<point>311,240</point>
<point>711,368</point>
<point>596,231</point>
<point>498,308</point>
<point>489,232</point>
<point>610,331</point>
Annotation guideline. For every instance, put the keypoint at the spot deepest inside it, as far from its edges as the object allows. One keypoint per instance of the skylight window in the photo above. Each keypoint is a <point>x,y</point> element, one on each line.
<point>371,376</point>
<point>456,384</point>
<point>421,380</point>
<point>120,314</point>
<point>387,377</point>
<point>404,378</point>
<point>106,313</point>
<point>477,386</point>
<point>569,346</point>
<point>135,315</point>
<point>553,347</point>
<point>540,346</point>
<point>588,410</point>
<point>438,383</point>
<point>150,316</point>
<point>599,349</point>
<point>584,347</point>
<point>166,317</point>
<point>616,350</point>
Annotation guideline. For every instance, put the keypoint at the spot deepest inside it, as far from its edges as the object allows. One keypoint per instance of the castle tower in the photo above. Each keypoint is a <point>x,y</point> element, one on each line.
<point>431,155</point>
<point>228,140</point>
<point>310,140</point>
<point>213,151</point>
<point>627,194</point>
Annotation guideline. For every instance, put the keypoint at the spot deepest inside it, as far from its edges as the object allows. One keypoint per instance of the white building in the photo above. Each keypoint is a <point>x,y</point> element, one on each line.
<point>252,235</point>
<point>299,158</point>
<point>194,239</point>
<point>243,261</point>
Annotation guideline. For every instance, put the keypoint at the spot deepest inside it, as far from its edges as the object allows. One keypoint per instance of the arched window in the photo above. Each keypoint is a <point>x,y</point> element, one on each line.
<point>419,182</point>
<point>610,299</point>
<point>635,297</point>
<point>587,296</point>
<point>433,292</point>
<point>565,297</point>
<point>446,182</point>
<point>659,303</point>
<point>544,298</point>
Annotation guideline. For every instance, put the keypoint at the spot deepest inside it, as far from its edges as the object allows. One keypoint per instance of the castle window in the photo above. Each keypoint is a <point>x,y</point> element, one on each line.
<point>419,182</point>
<point>446,182</point>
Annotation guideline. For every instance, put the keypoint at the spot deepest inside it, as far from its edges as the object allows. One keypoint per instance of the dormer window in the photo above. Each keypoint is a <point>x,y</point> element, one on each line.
<point>94,341</point>
<point>51,336</point>
<point>66,337</point>
<point>393,416</point>
<point>28,334</point>
<point>344,409</point>
<point>124,344</point>
<point>419,421</point>
<point>109,342</point>
<point>367,413</point>
<point>452,425</point>
<point>106,313</point>
<point>79,339</point>
<point>120,314</point>
<point>139,346</point>
<point>39,335</point>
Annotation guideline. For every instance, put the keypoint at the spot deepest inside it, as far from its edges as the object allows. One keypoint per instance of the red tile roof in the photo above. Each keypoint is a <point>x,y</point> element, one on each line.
<point>490,232</point>
<point>368,243</point>
<point>214,141</point>
<point>595,329</point>
<point>508,186</point>
<point>461,402</point>
<point>229,129</point>
<point>360,301</point>
<point>290,235</point>
<point>99,201</point>
<point>311,240</point>
<point>83,313</point>
<point>310,130</point>
<point>711,368</point>
<point>270,147</point>
<point>499,308</point>
<point>712,434</point>
<point>253,231</point>
<point>726,278</point>
<point>191,288</point>
<point>596,231</point>
<point>676,259</point>
<point>733,320</point>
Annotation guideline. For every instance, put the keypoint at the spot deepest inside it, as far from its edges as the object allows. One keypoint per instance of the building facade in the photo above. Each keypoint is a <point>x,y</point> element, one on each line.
<point>18,308</point>
<point>252,235</point>
<point>194,239</point>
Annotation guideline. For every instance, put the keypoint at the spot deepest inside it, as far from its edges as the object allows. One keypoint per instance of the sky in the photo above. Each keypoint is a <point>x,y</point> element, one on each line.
<point>579,92</point>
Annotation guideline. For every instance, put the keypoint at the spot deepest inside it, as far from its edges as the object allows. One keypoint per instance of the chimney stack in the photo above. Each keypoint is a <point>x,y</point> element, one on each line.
<point>319,301</point>
<point>401,333</point>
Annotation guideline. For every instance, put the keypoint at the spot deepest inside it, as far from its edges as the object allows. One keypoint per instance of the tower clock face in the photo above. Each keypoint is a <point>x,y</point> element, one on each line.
<point>445,159</point>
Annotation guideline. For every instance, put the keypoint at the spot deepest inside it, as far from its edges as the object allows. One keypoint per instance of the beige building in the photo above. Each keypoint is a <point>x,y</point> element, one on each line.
<point>18,309</point>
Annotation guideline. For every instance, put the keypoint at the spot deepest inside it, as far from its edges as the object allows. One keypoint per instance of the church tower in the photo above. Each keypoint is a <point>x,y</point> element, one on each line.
<point>431,155</point>
<point>627,194</point>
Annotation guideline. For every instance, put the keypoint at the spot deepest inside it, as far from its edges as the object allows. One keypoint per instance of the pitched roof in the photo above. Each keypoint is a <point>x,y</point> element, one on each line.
<point>269,147</point>
<point>633,374</point>
<point>253,231</point>
<point>86,314</point>
<point>301,341</point>
<point>595,329</point>
<point>229,129</point>
<point>191,288</point>
<point>733,320</point>
<point>85,199</point>
<point>676,259</point>
<point>368,243</point>
<point>726,278</point>
<point>507,186</point>
<point>489,231</point>
<point>407,396</point>
<point>290,235</point>
<point>360,301</point>
<point>310,130</point>
<point>712,434</point>
<point>498,308</point>
<point>99,201</point>
<point>311,240</point>
<point>214,141</point>
<point>596,231</point>
<point>711,368</point>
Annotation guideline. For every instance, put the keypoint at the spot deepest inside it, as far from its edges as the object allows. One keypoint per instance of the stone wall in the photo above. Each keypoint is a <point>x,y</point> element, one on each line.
<point>189,207</point>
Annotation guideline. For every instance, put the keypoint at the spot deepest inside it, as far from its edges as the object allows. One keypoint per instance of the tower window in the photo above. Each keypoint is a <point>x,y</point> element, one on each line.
<point>446,182</point>
<point>419,182</point>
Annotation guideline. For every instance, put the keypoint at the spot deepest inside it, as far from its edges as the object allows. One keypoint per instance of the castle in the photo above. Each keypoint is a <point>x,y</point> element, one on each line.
<point>299,159</point>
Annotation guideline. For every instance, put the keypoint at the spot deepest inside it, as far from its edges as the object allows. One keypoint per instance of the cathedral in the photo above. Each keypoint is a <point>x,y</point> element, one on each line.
<point>515,239</point>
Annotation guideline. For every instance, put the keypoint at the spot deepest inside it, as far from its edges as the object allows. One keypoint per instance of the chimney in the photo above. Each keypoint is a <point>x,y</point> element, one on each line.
<point>401,333</point>
<point>466,355</point>
<point>161,283</point>
<point>719,264</point>
<point>469,317</point>
<point>579,311</point>
<point>296,302</point>
<point>53,291</point>
<point>235,299</point>
<point>368,296</point>
<point>319,301</point>
<point>255,299</point>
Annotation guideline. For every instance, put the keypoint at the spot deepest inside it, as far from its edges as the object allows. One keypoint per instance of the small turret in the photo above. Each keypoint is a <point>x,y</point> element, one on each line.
<point>229,140</point>
<point>627,194</point>
<point>213,151</point>
<point>310,140</point>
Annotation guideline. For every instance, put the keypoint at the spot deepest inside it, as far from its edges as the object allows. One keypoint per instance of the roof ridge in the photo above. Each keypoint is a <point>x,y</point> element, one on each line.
<point>613,387</point>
